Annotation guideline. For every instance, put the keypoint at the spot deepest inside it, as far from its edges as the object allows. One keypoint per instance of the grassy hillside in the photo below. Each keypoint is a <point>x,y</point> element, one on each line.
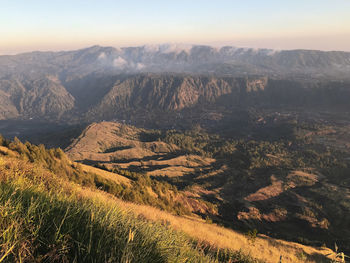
<point>130,186</point>
<point>47,217</point>
<point>61,216</point>
<point>293,188</point>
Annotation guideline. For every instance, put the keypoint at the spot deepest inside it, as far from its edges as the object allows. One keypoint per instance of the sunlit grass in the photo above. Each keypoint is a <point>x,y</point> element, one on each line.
<point>50,211</point>
<point>47,219</point>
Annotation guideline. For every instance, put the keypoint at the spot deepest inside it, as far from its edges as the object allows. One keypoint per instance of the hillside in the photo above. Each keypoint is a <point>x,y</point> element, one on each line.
<point>165,99</point>
<point>63,218</point>
<point>118,145</point>
<point>272,186</point>
<point>161,99</point>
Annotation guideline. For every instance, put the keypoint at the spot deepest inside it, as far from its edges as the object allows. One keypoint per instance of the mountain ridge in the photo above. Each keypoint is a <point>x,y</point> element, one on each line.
<point>95,82</point>
<point>196,59</point>
<point>108,96</point>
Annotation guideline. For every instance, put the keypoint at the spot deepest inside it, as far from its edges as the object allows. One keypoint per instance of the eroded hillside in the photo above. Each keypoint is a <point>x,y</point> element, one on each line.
<point>281,188</point>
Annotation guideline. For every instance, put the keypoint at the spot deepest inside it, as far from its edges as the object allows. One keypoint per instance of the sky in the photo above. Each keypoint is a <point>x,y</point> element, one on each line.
<point>27,25</point>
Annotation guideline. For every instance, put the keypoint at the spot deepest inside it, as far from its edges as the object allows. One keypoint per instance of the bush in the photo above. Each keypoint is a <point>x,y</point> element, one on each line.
<point>252,234</point>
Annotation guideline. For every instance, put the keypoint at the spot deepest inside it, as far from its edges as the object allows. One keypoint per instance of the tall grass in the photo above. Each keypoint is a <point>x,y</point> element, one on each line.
<point>134,190</point>
<point>44,218</point>
<point>39,227</point>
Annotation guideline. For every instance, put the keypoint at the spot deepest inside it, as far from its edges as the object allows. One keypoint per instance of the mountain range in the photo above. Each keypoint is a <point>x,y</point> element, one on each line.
<point>179,58</point>
<point>104,83</point>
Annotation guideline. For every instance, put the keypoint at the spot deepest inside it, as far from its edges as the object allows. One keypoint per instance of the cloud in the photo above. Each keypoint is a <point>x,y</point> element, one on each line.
<point>271,52</point>
<point>151,48</point>
<point>102,56</point>
<point>119,62</point>
<point>140,66</point>
<point>176,48</point>
<point>168,48</point>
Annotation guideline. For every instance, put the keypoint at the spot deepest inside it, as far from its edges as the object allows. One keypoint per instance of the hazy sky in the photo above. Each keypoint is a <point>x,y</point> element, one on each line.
<point>27,25</point>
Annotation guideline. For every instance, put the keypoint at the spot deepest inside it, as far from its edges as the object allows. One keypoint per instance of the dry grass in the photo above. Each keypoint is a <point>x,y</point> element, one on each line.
<point>124,144</point>
<point>173,171</point>
<point>7,151</point>
<point>119,179</point>
<point>190,160</point>
<point>273,190</point>
<point>44,218</point>
<point>265,248</point>
<point>300,178</point>
<point>98,137</point>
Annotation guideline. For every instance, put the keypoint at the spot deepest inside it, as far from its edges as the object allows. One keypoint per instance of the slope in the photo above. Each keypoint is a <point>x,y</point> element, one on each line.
<point>290,188</point>
<point>51,218</point>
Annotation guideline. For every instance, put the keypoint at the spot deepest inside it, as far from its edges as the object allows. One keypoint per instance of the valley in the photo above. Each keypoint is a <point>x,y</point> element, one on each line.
<point>270,185</point>
<point>250,144</point>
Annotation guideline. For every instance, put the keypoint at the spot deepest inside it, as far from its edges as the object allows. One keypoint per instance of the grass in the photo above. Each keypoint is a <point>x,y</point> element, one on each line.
<point>39,227</point>
<point>134,188</point>
<point>44,218</point>
<point>49,216</point>
<point>105,174</point>
<point>213,236</point>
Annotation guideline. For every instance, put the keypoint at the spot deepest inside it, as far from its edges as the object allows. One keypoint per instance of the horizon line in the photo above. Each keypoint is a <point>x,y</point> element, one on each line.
<point>218,46</point>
